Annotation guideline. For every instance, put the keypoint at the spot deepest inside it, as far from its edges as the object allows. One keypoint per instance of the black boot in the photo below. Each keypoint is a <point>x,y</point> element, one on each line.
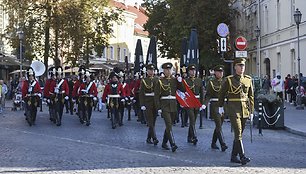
<point>244,160</point>
<point>234,158</point>
<point>214,140</point>
<point>173,147</point>
<point>165,140</point>
<point>222,143</point>
<point>149,141</point>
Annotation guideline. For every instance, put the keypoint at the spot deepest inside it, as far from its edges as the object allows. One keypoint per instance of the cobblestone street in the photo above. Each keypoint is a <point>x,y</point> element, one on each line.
<point>75,148</point>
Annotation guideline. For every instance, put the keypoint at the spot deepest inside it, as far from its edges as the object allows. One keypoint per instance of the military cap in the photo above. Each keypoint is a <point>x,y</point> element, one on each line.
<point>167,65</point>
<point>219,68</point>
<point>191,67</point>
<point>183,69</point>
<point>113,74</point>
<point>240,61</point>
<point>30,72</point>
<point>150,66</point>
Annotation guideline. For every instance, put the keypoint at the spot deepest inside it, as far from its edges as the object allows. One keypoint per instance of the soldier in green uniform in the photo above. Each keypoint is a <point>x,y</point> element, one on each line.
<point>240,97</point>
<point>146,99</point>
<point>195,85</point>
<point>213,89</point>
<point>165,100</point>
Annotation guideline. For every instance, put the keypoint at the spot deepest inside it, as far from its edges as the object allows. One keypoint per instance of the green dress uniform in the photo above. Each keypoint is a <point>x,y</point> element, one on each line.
<point>146,99</point>
<point>240,97</point>
<point>211,98</point>
<point>165,101</point>
<point>195,85</point>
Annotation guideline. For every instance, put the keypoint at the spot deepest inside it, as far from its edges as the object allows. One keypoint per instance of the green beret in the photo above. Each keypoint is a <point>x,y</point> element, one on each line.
<point>219,68</point>
<point>167,65</point>
<point>240,61</point>
<point>191,67</point>
<point>150,66</point>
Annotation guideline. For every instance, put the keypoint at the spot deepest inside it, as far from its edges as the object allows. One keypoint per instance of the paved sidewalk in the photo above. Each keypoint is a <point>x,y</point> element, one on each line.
<point>295,120</point>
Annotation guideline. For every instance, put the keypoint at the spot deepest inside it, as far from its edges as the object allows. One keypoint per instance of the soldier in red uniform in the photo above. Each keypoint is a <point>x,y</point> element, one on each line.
<point>50,84</point>
<point>31,92</point>
<point>88,94</point>
<point>112,95</point>
<point>127,92</point>
<point>61,92</point>
<point>76,87</point>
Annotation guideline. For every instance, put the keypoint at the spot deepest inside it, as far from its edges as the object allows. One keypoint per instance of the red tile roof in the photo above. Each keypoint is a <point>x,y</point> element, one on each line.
<point>139,11</point>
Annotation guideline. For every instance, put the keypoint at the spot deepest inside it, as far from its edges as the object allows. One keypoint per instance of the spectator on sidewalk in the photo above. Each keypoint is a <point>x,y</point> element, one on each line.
<point>266,84</point>
<point>278,86</point>
<point>289,88</point>
<point>4,91</point>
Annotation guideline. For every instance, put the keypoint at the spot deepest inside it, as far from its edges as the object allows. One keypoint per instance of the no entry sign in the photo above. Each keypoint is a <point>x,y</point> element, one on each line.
<point>241,43</point>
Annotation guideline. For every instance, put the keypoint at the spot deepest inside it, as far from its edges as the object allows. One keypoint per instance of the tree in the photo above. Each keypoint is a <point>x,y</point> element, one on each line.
<point>171,20</point>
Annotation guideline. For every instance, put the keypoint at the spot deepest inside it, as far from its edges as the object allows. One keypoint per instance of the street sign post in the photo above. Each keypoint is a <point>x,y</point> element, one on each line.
<point>223,44</point>
<point>241,43</point>
<point>241,54</point>
<point>222,30</point>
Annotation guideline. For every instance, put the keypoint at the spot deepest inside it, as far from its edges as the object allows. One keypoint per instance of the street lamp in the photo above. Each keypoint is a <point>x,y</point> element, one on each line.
<point>297,18</point>
<point>20,36</point>
<point>257,32</point>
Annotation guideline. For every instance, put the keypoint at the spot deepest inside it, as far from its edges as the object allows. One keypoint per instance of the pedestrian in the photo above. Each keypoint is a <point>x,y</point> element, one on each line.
<point>195,85</point>
<point>278,86</point>
<point>266,84</point>
<point>238,90</point>
<point>146,99</point>
<point>4,91</point>
<point>100,89</point>
<point>165,100</point>
<point>213,89</point>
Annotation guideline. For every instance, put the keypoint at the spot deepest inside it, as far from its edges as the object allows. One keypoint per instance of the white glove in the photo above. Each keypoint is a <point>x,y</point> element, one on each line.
<point>179,79</point>
<point>30,89</point>
<point>159,111</point>
<point>39,95</point>
<point>48,100</point>
<point>84,90</point>
<point>95,98</point>
<point>131,98</point>
<point>56,90</point>
<point>45,99</point>
<point>73,100</point>
<point>91,95</point>
<point>221,110</point>
<point>122,100</point>
<point>66,98</point>
<point>202,107</point>
<point>126,99</point>
<point>134,101</point>
<point>143,108</point>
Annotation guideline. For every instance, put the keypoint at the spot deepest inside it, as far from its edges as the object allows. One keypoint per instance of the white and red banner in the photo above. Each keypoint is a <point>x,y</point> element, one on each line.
<point>187,99</point>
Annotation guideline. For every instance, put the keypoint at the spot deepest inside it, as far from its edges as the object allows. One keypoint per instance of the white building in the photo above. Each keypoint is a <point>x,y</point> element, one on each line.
<point>278,35</point>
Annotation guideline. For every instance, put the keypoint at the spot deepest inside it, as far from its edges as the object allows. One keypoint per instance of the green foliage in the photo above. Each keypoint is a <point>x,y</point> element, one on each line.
<point>68,28</point>
<point>171,20</point>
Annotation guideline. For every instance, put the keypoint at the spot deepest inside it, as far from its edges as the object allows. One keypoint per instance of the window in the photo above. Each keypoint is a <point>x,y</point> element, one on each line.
<point>119,53</point>
<point>293,62</point>
<point>279,62</point>
<point>111,53</point>
<point>104,53</point>
<point>292,11</point>
<point>277,15</point>
<point>266,22</point>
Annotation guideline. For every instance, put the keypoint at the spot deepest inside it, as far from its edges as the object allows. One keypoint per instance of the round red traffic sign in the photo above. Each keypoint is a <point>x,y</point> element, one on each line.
<point>241,43</point>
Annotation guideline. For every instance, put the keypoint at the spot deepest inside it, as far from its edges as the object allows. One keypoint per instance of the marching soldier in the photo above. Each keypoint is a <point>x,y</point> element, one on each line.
<point>126,88</point>
<point>181,110</point>
<point>61,90</point>
<point>146,97</point>
<point>48,90</point>
<point>195,85</point>
<point>88,88</point>
<point>240,97</point>
<point>76,87</point>
<point>31,87</point>
<point>113,93</point>
<point>213,89</point>
<point>165,101</point>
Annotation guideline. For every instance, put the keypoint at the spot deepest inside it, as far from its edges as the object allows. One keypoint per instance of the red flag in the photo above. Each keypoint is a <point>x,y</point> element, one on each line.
<point>187,99</point>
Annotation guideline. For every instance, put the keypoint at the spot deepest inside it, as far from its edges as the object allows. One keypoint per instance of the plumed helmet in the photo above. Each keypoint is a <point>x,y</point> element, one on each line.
<point>30,72</point>
<point>51,71</point>
<point>82,70</point>
<point>59,71</point>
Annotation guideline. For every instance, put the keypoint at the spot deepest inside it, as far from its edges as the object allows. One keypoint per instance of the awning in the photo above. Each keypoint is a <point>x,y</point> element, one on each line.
<point>101,67</point>
<point>17,71</point>
<point>9,61</point>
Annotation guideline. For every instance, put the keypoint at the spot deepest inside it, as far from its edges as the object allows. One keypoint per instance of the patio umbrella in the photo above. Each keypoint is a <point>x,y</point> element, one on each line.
<point>138,57</point>
<point>193,48</point>
<point>152,55</point>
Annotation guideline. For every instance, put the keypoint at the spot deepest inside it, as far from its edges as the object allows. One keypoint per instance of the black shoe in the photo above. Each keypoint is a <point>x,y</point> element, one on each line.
<point>165,146</point>
<point>114,127</point>
<point>81,121</point>
<point>155,142</point>
<point>149,141</point>
<point>235,160</point>
<point>214,146</point>
<point>182,125</point>
<point>224,147</point>
<point>88,123</point>
<point>244,160</point>
<point>189,140</point>
<point>58,124</point>
<point>174,147</point>
<point>194,141</point>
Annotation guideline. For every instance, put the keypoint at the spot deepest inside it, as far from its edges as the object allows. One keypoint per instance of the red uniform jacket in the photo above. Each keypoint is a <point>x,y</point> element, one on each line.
<point>92,91</point>
<point>126,89</point>
<point>134,87</point>
<point>26,86</point>
<point>108,91</point>
<point>49,83</point>
<point>76,87</point>
<point>63,87</point>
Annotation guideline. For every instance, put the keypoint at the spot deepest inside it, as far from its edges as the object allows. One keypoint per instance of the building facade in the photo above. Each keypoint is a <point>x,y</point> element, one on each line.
<point>274,48</point>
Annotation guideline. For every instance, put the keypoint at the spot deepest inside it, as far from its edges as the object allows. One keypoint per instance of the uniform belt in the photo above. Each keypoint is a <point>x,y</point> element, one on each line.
<point>197,96</point>
<point>214,99</point>
<point>237,99</point>
<point>149,94</point>
<point>113,96</point>
<point>169,97</point>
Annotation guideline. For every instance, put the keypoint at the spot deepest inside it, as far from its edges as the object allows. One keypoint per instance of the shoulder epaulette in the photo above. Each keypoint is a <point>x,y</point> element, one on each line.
<point>247,76</point>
